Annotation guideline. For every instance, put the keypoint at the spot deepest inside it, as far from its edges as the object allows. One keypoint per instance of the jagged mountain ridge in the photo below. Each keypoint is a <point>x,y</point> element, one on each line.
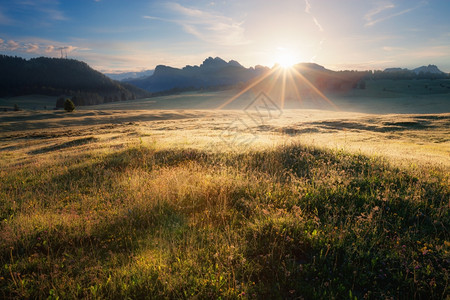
<point>213,72</point>
<point>216,72</point>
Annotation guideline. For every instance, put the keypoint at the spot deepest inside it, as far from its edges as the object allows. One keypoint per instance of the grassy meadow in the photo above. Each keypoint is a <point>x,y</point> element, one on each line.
<point>179,204</point>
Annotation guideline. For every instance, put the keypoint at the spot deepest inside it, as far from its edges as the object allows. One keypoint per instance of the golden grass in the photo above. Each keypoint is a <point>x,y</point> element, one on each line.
<point>164,204</point>
<point>404,139</point>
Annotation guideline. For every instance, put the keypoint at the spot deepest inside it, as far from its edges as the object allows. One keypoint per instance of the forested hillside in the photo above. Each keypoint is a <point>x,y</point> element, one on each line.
<point>61,78</point>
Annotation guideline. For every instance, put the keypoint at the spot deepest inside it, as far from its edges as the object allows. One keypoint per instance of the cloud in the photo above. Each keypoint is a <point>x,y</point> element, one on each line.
<point>59,50</point>
<point>430,52</point>
<point>12,45</point>
<point>48,8</point>
<point>31,48</point>
<point>307,7</point>
<point>4,19</point>
<point>371,14</point>
<point>389,48</point>
<point>210,27</point>
<point>318,24</point>
<point>376,15</point>
<point>50,49</point>
<point>54,14</point>
<point>308,11</point>
<point>158,18</point>
<point>38,46</point>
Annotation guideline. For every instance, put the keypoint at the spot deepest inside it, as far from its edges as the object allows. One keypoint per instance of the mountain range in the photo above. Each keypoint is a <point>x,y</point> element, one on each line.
<point>430,69</point>
<point>213,72</point>
<point>124,76</point>
<point>216,72</point>
<point>75,79</point>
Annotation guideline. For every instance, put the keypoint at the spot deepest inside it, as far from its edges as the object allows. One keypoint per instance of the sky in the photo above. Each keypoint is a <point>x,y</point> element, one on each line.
<point>119,35</point>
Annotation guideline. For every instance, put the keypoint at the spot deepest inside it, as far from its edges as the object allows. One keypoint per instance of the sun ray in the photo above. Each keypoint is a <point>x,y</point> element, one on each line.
<point>273,82</point>
<point>283,89</point>
<point>294,84</point>
<point>287,78</point>
<point>262,77</point>
<point>315,89</point>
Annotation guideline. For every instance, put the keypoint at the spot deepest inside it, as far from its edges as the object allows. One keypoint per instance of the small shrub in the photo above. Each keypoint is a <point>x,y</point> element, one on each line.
<point>68,105</point>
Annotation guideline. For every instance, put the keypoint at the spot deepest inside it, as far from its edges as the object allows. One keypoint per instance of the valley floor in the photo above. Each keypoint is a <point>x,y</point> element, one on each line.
<point>171,204</point>
<point>406,139</point>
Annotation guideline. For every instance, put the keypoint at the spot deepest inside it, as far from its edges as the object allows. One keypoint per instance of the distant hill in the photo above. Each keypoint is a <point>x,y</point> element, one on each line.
<point>213,72</point>
<point>129,75</point>
<point>430,69</point>
<point>423,72</point>
<point>61,78</point>
<point>392,70</point>
<point>310,79</point>
<point>216,72</point>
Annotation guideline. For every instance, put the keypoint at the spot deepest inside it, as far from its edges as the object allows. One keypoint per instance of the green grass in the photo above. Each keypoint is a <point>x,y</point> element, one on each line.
<point>290,222</point>
<point>34,102</point>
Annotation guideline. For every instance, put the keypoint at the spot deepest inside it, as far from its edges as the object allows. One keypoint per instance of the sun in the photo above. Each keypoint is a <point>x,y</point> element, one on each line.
<point>286,59</point>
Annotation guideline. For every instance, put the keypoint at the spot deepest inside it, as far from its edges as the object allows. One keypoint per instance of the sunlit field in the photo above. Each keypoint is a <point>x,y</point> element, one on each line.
<point>179,203</point>
<point>225,149</point>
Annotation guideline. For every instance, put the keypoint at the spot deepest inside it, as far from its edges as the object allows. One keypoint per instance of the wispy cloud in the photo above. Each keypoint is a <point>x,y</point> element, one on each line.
<point>308,8</point>
<point>430,52</point>
<point>378,14</point>
<point>54,14</point>
<point>4,19</point>
<point>318,24</point>
<point>389,48</point>
<point>208,26</point>
<point>369,17</point>
<point>50,9</point>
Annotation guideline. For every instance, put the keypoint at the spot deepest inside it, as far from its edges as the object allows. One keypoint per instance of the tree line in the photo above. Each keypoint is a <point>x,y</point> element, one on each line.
<point>61,78</point>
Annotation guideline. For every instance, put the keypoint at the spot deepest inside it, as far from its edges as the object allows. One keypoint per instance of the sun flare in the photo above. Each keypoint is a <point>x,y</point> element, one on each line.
<point>286,60</point>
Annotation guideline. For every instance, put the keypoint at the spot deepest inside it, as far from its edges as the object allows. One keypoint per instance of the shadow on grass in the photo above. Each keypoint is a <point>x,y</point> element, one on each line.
<point>311,223</point>
<point>74,143</point>
<point>63,251</point>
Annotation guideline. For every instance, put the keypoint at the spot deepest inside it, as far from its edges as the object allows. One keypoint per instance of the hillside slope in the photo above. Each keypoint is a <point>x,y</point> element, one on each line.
<point>61,77</point>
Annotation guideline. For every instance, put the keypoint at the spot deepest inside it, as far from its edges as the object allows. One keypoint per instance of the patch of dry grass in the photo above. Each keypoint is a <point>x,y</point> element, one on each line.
<point>284,222</point>
<point>147,210</point>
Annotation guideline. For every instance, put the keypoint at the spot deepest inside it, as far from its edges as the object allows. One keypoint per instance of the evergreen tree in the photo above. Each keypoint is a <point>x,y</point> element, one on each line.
<point>68,105</point>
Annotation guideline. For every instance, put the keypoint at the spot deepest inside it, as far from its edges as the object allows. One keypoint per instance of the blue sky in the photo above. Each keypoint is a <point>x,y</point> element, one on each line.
<point>114,35</point>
